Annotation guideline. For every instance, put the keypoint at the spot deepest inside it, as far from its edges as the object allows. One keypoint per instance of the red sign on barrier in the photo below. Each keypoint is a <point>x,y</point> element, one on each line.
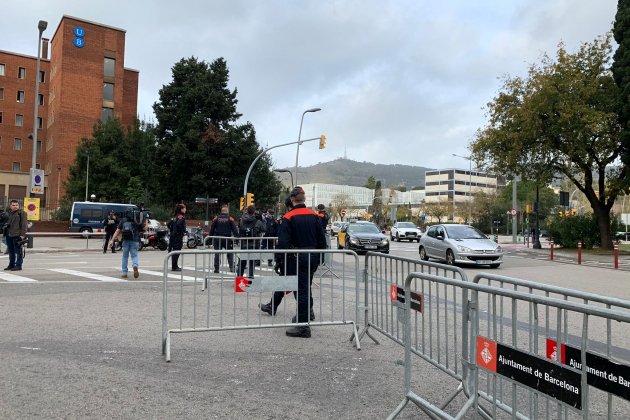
<point>397,294</point>
<point>240,284</point>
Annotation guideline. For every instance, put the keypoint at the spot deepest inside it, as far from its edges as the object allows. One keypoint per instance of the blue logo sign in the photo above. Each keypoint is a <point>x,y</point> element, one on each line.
<point>79,32</point>
<point>78,42</point>
<point>38,179</point>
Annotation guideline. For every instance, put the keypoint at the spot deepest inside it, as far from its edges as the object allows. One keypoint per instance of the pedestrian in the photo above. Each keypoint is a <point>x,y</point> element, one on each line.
<point>323,215</point>
<point>129,228</point>
<point>15,232</point>
<point>301,228</point>
<point>271,231</point>
<point>178,229</point>
<point>4,218</point>
<point>223,226</point>
<point>249,229</point>
<point>110,223</point>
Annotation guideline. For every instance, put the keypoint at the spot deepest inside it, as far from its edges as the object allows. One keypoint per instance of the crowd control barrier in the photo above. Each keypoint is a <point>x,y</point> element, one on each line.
<point>514,368</point>
<point>436,337</point>
<point>202,299</point>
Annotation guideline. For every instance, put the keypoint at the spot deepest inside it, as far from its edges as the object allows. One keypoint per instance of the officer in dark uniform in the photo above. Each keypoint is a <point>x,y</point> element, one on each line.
<point>301,228</point>
<point>323,215</point>
<point>223,225</point>
<point>176,240</point>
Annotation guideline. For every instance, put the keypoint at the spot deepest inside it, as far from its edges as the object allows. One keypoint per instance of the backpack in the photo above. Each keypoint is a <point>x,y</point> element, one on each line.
<point>169,224</point>
<point>127,230</point>
<point>248,232</point>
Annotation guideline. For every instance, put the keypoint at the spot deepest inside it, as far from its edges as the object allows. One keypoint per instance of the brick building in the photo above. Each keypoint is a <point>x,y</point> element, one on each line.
<point>82,79</point>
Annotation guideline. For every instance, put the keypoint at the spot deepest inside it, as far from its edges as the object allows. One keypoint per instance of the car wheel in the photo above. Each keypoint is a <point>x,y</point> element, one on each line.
<point>391,236</point>
<point>86,230</point>
<point>423,254</point>
<point>494,265</point>
<point>450,257</point>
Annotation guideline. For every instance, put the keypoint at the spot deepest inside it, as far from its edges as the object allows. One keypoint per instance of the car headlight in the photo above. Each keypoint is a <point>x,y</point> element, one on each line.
<point>384,241</point>
<point>464,248</point>
<point>498,249</point>
<point>354,241</point>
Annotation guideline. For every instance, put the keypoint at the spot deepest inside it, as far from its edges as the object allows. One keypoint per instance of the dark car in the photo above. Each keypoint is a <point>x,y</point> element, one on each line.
<point>362,237</point>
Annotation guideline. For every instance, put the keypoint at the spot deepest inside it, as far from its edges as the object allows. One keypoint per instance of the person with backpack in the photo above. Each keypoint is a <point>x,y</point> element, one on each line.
<point>271,231</point>
<point>224,226</point>
<point>178,229</point>
<point>129,228</point>
<point>249,227</point>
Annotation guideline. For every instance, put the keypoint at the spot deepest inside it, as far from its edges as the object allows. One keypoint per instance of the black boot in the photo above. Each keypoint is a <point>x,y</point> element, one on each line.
<point>299,331</point>
<point>266,307</point>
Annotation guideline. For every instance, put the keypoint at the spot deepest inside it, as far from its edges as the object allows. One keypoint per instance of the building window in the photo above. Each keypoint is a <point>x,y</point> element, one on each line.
<point>0,117</point>
<point>17,144</point>
<point>19,120</point>
<point>109,65</point>
<point>21,73</point>
<point>17,167</point>
<point>1,94</point>
<point>106,114</point>
<point>20,96</point>
<point>40,122</point>
<point>42,76</point>
<point>1,69</point>
<point>39,146</point>
<point>108,91</point>
<point>41,99</point>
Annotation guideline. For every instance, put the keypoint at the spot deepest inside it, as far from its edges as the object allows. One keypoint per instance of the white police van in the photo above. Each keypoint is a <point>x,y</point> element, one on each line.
<point>86,216</point>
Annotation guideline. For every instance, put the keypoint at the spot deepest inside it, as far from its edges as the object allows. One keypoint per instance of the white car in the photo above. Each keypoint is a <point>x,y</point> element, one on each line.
<point>405,230</point>
<point>335,227</point>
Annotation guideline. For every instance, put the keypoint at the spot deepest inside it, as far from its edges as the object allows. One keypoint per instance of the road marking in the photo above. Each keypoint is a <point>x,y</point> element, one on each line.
<point>16,279</point>
<point>98,277</point>
<point>170,275</point>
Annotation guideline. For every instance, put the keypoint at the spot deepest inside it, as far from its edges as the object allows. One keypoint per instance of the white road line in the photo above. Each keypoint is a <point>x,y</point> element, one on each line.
<point>15,279</point>
<point>170,275</point>
<point>97,277</point>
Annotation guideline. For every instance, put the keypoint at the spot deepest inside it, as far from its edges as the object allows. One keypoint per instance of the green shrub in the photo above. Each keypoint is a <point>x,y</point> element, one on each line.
<point>567,231</point>
<point>63,212</point>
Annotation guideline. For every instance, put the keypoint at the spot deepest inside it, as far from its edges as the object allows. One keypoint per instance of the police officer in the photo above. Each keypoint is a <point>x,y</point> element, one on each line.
<point>249,227</point>
<point>110,223</point>
<point>223,225</point>
<point>301,228</point>
<point>323,215</point>
<point>178,229</point>
<point>271,231</point>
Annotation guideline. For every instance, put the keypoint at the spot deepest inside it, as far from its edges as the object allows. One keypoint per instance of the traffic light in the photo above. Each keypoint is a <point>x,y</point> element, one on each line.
<point>573,212</point>
<point>241,205</point>
<point>322,142</point>
<point>249,201</point>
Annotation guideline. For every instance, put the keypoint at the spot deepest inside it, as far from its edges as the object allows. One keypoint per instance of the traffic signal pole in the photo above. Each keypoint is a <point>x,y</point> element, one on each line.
<point>321,138</point>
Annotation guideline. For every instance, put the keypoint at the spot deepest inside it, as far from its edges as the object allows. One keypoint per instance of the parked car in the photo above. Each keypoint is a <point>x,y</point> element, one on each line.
<point>459,244</point>
<point>362,237</point>
<point>335,227</point>
<point>405,230</point>
<point>623,236</point>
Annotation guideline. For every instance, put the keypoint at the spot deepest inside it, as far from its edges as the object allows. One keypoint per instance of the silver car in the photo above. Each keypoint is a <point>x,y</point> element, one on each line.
<point>459,244</point>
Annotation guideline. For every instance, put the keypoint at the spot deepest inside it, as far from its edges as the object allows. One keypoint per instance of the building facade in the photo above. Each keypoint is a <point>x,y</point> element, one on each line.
<point>458,186</point>
<point>82,80</point>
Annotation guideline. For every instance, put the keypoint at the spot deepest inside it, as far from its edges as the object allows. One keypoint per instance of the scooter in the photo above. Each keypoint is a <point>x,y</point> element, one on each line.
<point>159,239</point>
<point>195,237</point>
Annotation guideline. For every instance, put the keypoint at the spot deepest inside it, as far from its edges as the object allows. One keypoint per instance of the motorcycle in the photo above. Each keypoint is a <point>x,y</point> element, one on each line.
<point>195,237</point>
<point>159,238</point>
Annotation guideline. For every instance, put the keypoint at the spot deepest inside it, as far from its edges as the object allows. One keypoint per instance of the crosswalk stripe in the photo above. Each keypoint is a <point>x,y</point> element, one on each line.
<point>98,277</point>
<point>16,279</point>
<point>170,275</point>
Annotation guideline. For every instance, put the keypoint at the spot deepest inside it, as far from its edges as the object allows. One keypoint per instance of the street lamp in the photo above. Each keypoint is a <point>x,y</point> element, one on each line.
<point>297,153</point>
<point>58,183</point>
<point>286,171</point>
<point>42,25</point>
<point>87,175</point>
<point>469,158</point>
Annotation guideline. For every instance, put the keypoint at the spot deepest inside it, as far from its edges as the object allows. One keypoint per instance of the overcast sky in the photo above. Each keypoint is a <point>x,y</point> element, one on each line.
<point>398,81</point>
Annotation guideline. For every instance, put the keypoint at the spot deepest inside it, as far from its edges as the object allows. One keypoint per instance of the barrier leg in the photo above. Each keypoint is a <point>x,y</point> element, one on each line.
<point>616,255</point>
<point>168,347</point>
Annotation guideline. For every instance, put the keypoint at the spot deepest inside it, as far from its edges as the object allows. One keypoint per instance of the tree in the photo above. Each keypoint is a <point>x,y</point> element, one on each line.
<point>621,73</point>
<point>116,156</point>
<point>371,183</point>
<point>561,118</point>
<point>200,148</point>
<point>341,201</point>
<point>438,210</point>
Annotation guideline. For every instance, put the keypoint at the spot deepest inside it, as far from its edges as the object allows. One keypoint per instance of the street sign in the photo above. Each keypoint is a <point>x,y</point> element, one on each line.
<point>31,205</point>
<point>210,200</point>
<point>513,212</point>
<point>37,181</point>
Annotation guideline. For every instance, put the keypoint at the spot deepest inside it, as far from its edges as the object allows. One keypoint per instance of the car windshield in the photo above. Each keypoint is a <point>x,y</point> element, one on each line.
<point>406,225</point>
<point>363,228</point>
<point>464,232</point>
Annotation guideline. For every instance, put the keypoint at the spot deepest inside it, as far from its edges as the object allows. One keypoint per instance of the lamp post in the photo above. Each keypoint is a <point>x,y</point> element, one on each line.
<point>87,175</point>
<point>297,153</point>
<point>288,172</point>
<point>42,25</point>
<point>469,158</point>
<point>58,183</point>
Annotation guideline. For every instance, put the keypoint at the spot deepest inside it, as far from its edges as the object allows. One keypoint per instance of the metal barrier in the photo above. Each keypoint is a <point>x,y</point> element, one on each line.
<point>516,357</point>
<point>202,300</point>
<point>436,337</point>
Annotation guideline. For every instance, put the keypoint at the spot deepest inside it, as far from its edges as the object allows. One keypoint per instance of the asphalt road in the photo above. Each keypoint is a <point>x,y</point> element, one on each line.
<point>78,344</point>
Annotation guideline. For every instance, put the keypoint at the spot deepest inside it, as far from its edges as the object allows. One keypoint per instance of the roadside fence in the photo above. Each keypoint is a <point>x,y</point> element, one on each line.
<point>229,298</point>
<point>514,369</point>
